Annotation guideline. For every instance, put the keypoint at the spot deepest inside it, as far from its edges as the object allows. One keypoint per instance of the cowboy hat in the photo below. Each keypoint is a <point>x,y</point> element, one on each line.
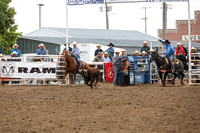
<point>14,52</point>
<point>111,44</point>
<point>15,45</point>
<point>194,48</point>
<point>1,54</point>
<point>167,41</point>
<point>123,50</point>
<point>143,52</point>
<point>105,53</point>
<point>41,45</point>
<point>178,44</point>
<point>117,51</point>
<point>136,52</point>
<point>74,43</point>
<point>145,42</point>
<point>152,50</point>
<point>98,45</point>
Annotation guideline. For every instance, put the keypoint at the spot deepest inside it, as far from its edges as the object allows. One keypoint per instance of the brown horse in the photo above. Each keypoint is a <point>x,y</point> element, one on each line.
<point>71,66</point>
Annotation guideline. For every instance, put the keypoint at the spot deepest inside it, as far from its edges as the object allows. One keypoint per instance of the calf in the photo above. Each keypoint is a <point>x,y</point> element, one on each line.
<point>90,75</point>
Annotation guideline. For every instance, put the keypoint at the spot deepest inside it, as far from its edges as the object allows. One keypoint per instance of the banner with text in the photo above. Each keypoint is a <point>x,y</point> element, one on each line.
<point>28,70</point>
<point>85,2</point>
<point>167,0</point>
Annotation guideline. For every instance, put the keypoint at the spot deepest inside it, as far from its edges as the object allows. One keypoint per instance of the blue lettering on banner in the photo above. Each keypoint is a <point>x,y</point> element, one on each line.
<point>82,2</point>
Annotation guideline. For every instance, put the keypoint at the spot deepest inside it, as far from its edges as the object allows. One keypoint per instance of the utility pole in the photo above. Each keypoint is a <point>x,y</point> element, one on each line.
<point>164,20</point>
<point>145,17</point>
<point>107,21</point>
<point>40,5</point>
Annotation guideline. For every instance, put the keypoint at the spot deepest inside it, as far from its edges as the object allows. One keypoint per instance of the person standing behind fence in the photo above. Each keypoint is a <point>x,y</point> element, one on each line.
<point>179,48</point>
<point>183,59</point>
<point>41,50</point>
<point>105,57</point>
<point>116,65</point>
<point>15,48</point>
<point>111,50</point>
<point>98,58</point>
<point>76,53</point>
<point>124,59</point>
<point>185,49</point>
<point>145,48</point>
<point>98,50</point>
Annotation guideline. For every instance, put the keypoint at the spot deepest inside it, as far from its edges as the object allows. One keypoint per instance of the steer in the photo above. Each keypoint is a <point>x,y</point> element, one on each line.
<point>91,75</point>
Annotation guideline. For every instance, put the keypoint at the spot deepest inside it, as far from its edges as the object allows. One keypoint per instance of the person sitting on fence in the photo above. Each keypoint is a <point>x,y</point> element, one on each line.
<point>183,59</point>
<point>98,50</point>
<point>69,48</point>
<point>111,50</point>
<point>15,48</point>
<point>76,53</point>
<point>169,53</point>
<point>179,48</point>
<point>145,48</point>
<point>116,65</point>
<point>98,58</point>
<point>105,57</point>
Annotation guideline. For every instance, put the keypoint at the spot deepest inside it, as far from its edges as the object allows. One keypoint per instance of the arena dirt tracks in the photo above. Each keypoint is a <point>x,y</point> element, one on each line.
<point>114,109</point>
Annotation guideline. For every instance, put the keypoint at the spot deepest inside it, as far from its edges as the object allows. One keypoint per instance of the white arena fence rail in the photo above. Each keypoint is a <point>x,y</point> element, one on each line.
<point>195,69</point>
<point>12,70</point>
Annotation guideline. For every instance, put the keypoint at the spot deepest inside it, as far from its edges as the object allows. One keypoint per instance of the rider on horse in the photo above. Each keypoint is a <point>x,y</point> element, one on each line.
<point>169,52</point>
<point>76,53</point>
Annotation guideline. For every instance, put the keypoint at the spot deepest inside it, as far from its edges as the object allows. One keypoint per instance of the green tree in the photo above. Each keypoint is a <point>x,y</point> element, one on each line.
<point>8,28</point>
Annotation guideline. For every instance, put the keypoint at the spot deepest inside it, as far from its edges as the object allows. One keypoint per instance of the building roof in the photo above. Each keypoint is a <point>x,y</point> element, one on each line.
<point>123,38</point>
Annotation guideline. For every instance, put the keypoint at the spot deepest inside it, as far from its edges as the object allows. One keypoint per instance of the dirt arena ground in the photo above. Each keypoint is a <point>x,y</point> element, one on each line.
<point>106,109</point>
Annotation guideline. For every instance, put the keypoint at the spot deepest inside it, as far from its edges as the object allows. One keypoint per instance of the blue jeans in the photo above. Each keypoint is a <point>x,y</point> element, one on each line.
<point>115,76</point>
<point>78,61</point>
<point>171,56</point>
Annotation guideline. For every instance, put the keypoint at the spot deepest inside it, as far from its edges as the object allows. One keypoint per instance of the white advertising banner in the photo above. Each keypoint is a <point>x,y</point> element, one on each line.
<point>28,70</point>
<point>167,0</point>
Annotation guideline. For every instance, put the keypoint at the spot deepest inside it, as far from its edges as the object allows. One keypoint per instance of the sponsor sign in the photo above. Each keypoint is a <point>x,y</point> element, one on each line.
<point>193,37</point>
<point>28,70</point>
<point>125,1</point>
<point>109,75</point>
<point>167,0</point>
<point>85,2</point>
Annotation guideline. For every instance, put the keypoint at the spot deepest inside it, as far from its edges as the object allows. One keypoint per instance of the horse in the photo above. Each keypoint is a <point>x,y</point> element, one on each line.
<point>163,66</point>
<point>71,66</point>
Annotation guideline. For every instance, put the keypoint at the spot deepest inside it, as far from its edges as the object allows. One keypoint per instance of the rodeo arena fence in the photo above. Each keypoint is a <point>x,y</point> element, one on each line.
<point>49,70</point>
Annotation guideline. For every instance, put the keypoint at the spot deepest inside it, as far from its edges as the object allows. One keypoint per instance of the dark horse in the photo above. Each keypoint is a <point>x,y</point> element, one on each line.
<point>72,67</point>
<point>163,66</point>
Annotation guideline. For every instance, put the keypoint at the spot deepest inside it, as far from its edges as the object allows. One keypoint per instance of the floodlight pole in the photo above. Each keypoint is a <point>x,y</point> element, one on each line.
<point>67,21</point>
<point>107,19</point>
<point>40,14</point>
<point>145,17</point>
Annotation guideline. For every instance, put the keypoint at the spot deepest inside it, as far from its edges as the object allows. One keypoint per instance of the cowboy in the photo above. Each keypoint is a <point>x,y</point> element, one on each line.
<point>98,58</point>
<point>183,59</point>
<point>185,50</point>
<point>69,48</point>
<point>124,59</point>
<point>136,54</point>
<point>170,52</point>
<point>76,53</point>
<point>145,48</point>
<point>41,50</point>
<point>116,65</point>
<point>151,51</point>
<point>111,50</point>
<point>98,50</point>
<point>144,54</point>
<point>179,48</point>
<point>105,57</point>
<point>15,48</point>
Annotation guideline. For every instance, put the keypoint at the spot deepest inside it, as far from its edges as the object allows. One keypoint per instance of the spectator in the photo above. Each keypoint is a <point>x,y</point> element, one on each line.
<point>41,50</point>
<point>179,48</point>
<point>144,54</point>
<point>123,51</point>
<point>14,54</point>
<point>183,59</point>
<point>111,50</point>
<point>124,60</point>
<point>105,57</point>
<point>1,51</point>
<point>151,51</point>
<point>195,61</point>
<point>98,50</point>
<point>136,54</point>
<point>143,57</point>
<point>185,50</point>
<point>76,53</point>
<point>98,58</point>
<point>69,48</point>
<point>116,65</point>
<point>15,48</point>
<point>145,48</point>
<point>1,57</point>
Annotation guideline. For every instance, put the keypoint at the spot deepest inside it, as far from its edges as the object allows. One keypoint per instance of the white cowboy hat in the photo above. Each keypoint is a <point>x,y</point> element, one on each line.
<point>123,50</point>
<point>145,42</point>
<point>74,43</point>
<point>14,52</point>
<point>194,48</point>
<point>136,52</point>
<point>178,44</point>
<point>41,45</point>
<point>98,45</point>
<point>15,45</point>
<point>143,52</point>
<point>117,51</point>
<point>152,50</point>
<point>1,54</point>
<point>105,53</point>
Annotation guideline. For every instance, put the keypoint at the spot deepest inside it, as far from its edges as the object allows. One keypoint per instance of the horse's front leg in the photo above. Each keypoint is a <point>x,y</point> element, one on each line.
<point>63,81</point>
<point>173,80</point>
<point>164,80</point>
<point>74,84</point>
<point>182,76</point>
<point>161,77</point>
